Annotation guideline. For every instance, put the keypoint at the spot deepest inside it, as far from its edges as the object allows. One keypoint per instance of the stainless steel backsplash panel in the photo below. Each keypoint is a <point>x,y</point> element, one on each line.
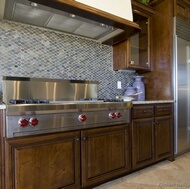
<point>51,89</point>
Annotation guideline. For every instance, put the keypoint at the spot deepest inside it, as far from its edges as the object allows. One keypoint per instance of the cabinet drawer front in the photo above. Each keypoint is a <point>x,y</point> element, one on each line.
<point>142,111</point>
<point>161,110</point>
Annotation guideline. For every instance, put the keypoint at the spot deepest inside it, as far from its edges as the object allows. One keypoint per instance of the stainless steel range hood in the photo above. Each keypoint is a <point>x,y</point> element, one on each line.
<point>71,17</point>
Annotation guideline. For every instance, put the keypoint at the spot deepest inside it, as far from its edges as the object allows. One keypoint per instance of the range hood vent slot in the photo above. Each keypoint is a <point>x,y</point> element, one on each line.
<point>69,18</point>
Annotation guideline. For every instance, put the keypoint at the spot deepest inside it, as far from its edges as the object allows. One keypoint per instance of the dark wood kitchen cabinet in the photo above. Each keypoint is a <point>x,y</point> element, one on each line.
<point>2,122</point>
<point>105,154</point>
<point>152,134</point>
<point>164,131</point>
<point>78,159</point>
<point>142,135</point>
<point>49,161</point>
<point>134,53</point>
<point>182,10</point>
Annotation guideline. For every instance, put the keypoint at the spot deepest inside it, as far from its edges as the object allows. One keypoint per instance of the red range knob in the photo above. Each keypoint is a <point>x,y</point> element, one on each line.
<point>111,115</point>
<point>33,121</point>
<point>82,117</point>
<point>118,114</point>
<point>22,122</point>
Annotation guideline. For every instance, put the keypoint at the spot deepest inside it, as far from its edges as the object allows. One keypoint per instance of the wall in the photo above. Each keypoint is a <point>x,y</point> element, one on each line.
<point>28,51</point>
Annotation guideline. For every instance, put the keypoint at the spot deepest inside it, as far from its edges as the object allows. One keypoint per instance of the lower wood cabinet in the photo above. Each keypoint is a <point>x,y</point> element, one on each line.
<point>163,137</point>
<point>44,162</point>
<point>86,158</point>
<point>142,142</point>
<point>152,134</point>
<point>67,160</point>
<point>105,154</point>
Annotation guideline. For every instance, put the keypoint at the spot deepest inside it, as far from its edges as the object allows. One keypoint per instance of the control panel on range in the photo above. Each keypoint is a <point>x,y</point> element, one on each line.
<point>36,124</point>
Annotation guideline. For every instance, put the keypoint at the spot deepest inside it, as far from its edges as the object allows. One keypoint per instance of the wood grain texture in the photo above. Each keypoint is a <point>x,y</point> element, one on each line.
<point>137,48</point>
<point>143,142</point>
<point>49,161</point>
<point>152,134</point>
<point>106,154</point>
<point>159,81</point>
<point>2,157</point>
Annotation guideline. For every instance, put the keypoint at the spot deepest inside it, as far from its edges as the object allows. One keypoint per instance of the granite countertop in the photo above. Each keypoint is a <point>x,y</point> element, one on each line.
<point>3,106</point>
<point>153,101</point>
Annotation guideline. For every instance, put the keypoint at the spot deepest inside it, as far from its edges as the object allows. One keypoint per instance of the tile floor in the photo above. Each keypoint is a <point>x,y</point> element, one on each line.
<point>164,175</point>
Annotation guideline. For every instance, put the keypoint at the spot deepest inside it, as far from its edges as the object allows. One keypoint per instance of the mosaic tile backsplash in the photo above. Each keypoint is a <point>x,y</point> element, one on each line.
<point>29,51</point>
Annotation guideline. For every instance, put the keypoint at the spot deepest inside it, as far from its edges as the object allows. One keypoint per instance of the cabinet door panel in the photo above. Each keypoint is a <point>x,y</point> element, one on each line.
<point>105,153</point>
<point>142,142</point>
<point>48,164</point>
<point>135,53</point>
<point>139,43</point>
<point>163,137</point>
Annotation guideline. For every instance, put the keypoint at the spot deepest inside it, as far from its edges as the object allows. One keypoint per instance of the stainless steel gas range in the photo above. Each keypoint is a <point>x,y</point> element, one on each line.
<point>37,106</point>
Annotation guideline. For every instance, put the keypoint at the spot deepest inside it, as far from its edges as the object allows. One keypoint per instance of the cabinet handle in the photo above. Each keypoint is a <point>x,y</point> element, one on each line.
<point>156,123</point>
<point>77,139</point>
<point>144,111</point>
<point>85,138</point>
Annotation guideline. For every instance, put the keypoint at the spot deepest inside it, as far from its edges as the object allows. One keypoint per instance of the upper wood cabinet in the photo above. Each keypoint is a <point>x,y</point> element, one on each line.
<point>182,10</point>
<point>135,52</point>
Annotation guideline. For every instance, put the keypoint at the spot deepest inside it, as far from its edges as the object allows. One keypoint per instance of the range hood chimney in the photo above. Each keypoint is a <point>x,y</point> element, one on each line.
<point>71,17</point>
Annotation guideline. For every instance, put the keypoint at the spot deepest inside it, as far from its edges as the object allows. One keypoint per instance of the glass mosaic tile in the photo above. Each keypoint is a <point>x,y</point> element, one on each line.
<point>29,51</point>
